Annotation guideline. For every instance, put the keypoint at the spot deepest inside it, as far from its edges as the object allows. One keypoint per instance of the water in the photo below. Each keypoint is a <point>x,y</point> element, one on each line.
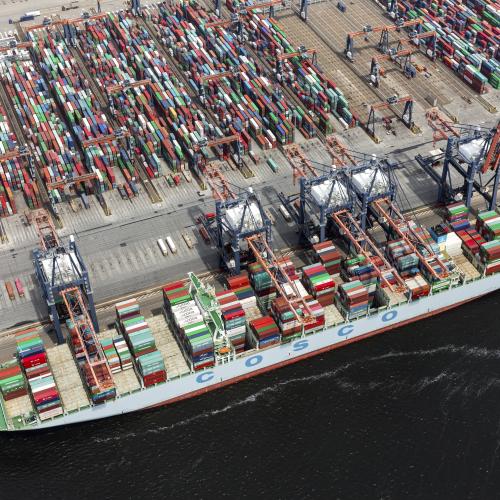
<point>413,413</point>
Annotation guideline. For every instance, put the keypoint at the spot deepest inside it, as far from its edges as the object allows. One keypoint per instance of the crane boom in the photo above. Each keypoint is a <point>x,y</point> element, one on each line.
<point>272,266</point>
<point>405,231</point>
<point>345,221</point>
<point>75,305</point>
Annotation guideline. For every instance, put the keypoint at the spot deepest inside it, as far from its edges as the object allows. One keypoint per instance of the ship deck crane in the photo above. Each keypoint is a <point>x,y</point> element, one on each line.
<point>406,116</point>
<point>384,38</point>
<point>402,57</point>
<point>395,221</point>
<point>96,361</point>
<point>351,230</point>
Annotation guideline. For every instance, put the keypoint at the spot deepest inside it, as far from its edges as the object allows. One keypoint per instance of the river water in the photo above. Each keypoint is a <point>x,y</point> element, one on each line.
<point>412,413</point>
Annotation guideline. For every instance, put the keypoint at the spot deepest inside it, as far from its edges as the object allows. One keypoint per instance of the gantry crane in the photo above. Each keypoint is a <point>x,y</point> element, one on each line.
<point>430,46</point>
<point>350,229</point>
<point>215,77</point>
<point>264,255</point>
<point>214,143</point>
<point>58,267</point>
<point>122,87</point>
<point>473,152</point>
<point>323,190</point>
<point>384,38</point>
<point>237,217</point>
<point>302,52</point>
<point>396,224</point>
<point>78,179</point>
<point>406,116</point>
<point>14,45</point>
<point>91,357</point>
<point>402,57</point>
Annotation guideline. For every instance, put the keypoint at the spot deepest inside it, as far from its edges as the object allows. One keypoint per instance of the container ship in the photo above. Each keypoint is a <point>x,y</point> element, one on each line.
<point>119,100</point>
<point>269,315</point>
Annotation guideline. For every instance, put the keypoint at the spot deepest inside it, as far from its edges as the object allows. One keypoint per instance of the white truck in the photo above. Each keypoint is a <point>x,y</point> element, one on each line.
<point>162,246</point>
<point>171,244</point>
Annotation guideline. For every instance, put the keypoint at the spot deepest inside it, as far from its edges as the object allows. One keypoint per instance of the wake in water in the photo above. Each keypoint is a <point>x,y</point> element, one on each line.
<point>348,385</point>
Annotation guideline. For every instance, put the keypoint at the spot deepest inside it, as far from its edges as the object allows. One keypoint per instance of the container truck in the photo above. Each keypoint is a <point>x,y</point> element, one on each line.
<point>171,244</point>
<point>162,246</point>
<point>10,290</point>
<point>19,287</point>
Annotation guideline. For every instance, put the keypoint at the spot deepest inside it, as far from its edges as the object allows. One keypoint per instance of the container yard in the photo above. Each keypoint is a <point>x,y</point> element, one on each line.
<point>192,193</point>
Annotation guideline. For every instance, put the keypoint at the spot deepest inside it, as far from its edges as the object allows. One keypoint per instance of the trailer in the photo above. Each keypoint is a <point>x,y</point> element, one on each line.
<point>171,244</point>
<point>19,287</point>
<point>162,246</point>
<point>10,290</point>
<point>188,240</point>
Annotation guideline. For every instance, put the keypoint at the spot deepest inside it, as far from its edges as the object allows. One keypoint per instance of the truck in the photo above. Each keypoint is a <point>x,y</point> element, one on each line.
<point>162,246</point>
<point>10,290</point>
<point>188,240</point>
<point>70,6</point>
<point>19,287</point>
<point>171,244</point>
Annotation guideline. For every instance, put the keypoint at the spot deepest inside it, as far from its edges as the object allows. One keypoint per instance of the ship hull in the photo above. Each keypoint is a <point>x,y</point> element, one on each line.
<point>257,362</point>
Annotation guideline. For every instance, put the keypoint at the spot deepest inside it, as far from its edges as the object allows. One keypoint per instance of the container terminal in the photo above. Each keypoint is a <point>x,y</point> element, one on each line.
<point>192,193</point>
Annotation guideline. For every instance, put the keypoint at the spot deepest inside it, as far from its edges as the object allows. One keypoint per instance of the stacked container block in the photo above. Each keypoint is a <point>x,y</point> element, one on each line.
<point>111,355</point>
<point>329,256</point>
<point>12,381</point>
<point>488,225</point>
<point>139,336</point>
<point>234,318</point>
<point>358,268</point>
<point>489,257</point>
<point>14,173</point>
<point>352,299</point>
<point>189,326</point>
<point>457,215</point>
<point>241,287</point>
<point>244,102</point>
<point>81,108</point>
<point>468,35</point>
<point>38,114</point>
<point>314,89</point>
<point>43,389</point>
<point>265,332</point>
<point>319,283</point>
